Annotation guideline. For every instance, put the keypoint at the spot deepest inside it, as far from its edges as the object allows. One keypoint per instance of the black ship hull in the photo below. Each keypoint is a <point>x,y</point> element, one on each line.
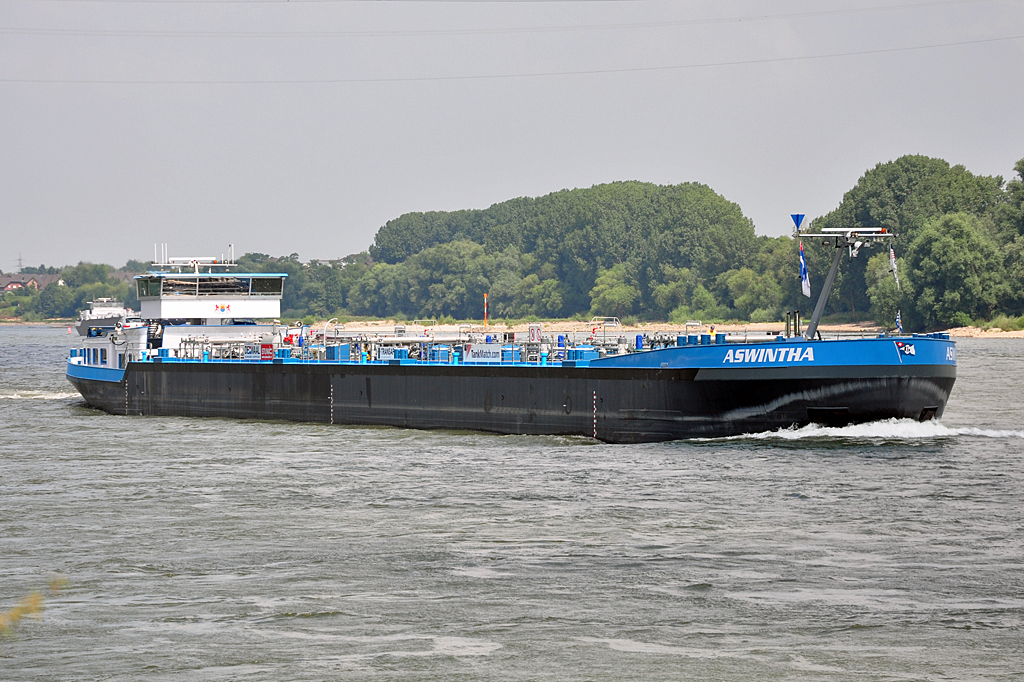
<point>618,405</point>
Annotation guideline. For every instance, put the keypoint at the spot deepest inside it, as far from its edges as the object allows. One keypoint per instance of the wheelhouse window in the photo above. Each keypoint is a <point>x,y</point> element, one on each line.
<point>149,287</point>
<point>267,286</point>
<point>179,287</point>
<point>224,286</point>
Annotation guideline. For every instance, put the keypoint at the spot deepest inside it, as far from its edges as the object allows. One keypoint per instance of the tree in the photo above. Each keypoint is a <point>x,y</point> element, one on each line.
<point>572,235</point>
<point>886,299</point>
<point>381,292</point>
<point>57,301</point>
<point>41,270</point>
<point>134,266</point>
<point>675,290</point>
<point>1013,302</point>
<point>1009,215</point>
<point>901,195</point>
<point>956,270</point>
<point>1009,219</point>
<point>752,293</point>
<point>634,248</point>
<point>85,273</point>
<point>703,306</point>
<point>613,294</point>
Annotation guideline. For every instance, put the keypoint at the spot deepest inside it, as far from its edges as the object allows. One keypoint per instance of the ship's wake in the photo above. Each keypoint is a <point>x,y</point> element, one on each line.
<point>37,395</point>
<point>885,430</point>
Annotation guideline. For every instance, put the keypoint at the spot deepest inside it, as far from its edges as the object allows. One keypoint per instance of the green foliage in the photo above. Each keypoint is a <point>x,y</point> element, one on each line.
<point>634,249</point>
<point>676,289</point>
<point>703,306</point>
<point>1007,323</point>
<point>121,291</point>
<point>1013,263</point>
<point>1009,214</point>
<point>85,273</point>
<point>901,195</point>
<point>749,292</point>
<point>682,252</point>
<point>534,297</point>
<point>562,241</point>
<point>134,266</point>
<point>57,301</point>
<point>764,315</point>
<point>904,194</point>
<point>886,299</point>
<point>956,271</point>
<point>41,270</point>
<point>613,294</point>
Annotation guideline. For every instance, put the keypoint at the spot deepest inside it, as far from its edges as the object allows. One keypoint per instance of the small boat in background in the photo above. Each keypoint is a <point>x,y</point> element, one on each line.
<point>103,312</point>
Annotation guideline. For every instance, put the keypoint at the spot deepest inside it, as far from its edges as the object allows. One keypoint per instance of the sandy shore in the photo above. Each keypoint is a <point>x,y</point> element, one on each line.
<point>994,333</point>
<point>651,327</point>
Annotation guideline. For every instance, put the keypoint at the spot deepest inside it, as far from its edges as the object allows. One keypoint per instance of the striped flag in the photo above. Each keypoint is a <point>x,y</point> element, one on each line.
<point>892,263</point>
<point>899,323</point>
<point>805,279</point>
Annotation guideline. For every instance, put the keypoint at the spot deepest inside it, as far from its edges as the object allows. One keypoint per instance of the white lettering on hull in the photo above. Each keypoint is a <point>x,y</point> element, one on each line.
<point>777,355</point>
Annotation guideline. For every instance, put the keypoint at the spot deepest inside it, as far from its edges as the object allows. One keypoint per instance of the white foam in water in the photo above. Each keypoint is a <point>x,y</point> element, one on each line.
<point>888,429</point>
<point>38,395</point>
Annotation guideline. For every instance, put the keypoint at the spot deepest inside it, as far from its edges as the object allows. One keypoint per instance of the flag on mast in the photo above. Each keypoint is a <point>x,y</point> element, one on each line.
<point>899,323</point>
<point>892,263</point>
<point>805,279</point>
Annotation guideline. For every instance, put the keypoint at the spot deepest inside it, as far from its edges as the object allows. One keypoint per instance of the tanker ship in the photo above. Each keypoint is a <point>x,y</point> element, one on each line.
<point>197,351</point>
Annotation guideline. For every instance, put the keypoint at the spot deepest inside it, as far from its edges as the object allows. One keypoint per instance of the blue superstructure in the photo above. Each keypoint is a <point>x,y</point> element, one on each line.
<point>907,351</point>
<point>928,349</point>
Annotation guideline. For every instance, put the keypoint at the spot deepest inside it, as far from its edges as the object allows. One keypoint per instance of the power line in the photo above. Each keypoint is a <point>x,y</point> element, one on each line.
<point>128,33</point>
<point>327,2</point>
<point>587,72</point>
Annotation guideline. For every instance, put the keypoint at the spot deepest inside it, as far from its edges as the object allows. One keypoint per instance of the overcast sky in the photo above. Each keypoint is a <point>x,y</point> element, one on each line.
<point>304,126</point>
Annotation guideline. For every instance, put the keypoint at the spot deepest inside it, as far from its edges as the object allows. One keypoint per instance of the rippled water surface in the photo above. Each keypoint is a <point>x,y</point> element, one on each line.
<point>208,549</point>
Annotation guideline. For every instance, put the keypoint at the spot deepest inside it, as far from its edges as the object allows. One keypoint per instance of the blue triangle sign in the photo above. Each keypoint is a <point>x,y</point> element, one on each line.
<point>797,218</point>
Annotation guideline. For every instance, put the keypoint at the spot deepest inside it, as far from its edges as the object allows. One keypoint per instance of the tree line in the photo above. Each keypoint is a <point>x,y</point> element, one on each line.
<point>651,252</point>
<point>78,284</point>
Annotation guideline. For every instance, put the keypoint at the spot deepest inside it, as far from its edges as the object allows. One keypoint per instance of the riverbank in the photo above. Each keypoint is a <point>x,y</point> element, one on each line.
<point>752,328</point>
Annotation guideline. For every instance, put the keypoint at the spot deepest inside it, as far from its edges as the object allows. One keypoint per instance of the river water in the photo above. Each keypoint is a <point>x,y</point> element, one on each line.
<point>209,549</point>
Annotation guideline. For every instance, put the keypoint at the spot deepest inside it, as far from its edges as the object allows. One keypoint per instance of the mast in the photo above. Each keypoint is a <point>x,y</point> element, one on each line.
<point>851,238</point>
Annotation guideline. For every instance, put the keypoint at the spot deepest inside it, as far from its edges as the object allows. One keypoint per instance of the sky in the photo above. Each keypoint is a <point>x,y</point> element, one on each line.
<point>302,126</point>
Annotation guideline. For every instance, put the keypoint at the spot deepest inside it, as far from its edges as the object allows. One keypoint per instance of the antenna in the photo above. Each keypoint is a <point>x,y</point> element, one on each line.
<point>20,264</point>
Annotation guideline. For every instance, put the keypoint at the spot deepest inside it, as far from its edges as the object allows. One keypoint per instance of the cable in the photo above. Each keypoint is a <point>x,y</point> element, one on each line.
<point>118,33</point>
<point>296,2</point>
<point>412,79</point>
